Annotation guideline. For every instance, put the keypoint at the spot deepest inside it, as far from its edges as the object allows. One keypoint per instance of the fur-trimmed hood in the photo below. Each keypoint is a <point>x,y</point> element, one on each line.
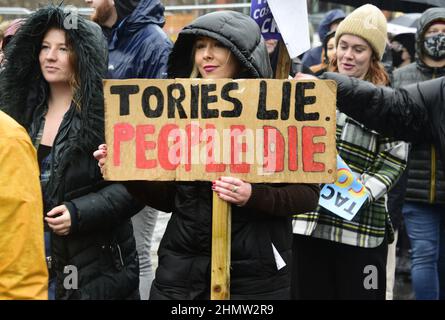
<point>22,87</point>
<point>234,30</point>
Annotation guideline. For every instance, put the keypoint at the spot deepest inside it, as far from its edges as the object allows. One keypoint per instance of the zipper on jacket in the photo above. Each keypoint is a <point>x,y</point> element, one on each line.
<point>433,165</point>
<point>433,175</point>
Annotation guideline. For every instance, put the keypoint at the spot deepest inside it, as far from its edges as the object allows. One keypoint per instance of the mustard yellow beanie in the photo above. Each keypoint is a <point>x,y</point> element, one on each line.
<point>366,22</point>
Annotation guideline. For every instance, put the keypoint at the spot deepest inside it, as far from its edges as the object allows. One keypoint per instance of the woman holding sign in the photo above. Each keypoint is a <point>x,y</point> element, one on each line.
<point>52,85</point>
<point>338,257</point>
<point>224,44</point>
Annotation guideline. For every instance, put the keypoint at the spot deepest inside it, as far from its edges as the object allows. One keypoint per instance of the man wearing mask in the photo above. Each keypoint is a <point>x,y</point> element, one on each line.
<point>138,48</point>
<point>422,186</point>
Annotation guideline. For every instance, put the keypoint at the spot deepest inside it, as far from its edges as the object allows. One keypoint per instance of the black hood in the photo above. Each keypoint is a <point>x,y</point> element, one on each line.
<point>22,86</point>
<point>426,19</point>
<point>236,31</point>
<point>125,7</point>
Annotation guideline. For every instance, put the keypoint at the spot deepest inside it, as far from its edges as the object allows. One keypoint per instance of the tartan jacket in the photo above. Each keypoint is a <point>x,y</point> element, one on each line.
<point>379,161</point>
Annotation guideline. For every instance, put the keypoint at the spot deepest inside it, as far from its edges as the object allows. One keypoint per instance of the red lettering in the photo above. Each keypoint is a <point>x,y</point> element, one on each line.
<point>293,147</point>
<point>167,159</point>
<point>273,150</point>
<point>122,132</point>
<point>193,137</point>
<point>211,143</point>
<point>309,148</point>
<point>142,146</point>
<point>236,149</point>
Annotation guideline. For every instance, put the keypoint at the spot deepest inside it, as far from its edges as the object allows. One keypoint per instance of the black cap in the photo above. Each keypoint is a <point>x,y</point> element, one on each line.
<point>408,41</point>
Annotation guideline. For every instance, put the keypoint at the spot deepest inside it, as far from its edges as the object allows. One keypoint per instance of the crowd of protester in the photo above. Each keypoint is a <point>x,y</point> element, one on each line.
<point>57,211</point>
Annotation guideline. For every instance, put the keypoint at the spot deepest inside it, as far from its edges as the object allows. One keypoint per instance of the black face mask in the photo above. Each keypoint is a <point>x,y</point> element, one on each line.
<point>435,46</point>
<point>396,57</point>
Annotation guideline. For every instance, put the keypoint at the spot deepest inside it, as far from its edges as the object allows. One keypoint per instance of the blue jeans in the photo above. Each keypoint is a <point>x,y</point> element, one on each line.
<point>425,226</point>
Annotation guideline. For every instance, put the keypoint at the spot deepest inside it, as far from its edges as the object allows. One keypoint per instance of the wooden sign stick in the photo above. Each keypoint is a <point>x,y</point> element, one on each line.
<point>283,63</point>
<point>221,240</point>
<point>221,219</point>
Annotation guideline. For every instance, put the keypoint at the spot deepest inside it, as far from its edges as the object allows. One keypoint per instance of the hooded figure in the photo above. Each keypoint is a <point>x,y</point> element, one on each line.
<point>419,70</point>
<point>98,250</point>
<point>420,193</point>
<point>424,179</point>
<point>138,47</point>
<point>249,47</point>
<point>261,228</point>
<point>126,7</point>
<point>313,56</point>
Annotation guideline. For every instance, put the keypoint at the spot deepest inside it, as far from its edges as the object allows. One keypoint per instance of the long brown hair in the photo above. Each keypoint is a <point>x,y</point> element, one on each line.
<point>74,80</point>
<point>73,59</point>
<point>376,73</point>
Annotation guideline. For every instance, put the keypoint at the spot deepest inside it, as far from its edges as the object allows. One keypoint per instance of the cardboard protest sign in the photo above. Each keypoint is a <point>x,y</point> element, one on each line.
<point>346,196</point>
<point>195,129</point>
<point>260,12</point>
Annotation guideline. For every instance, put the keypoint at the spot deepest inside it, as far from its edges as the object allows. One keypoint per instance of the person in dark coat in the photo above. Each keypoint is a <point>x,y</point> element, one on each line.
<point>413,113</point>
<point>330,252</point>
<point>330,22</point>
<point>224,44</point>
<point>52,85</point>
<point>423,184</point>
<point>138,48</point>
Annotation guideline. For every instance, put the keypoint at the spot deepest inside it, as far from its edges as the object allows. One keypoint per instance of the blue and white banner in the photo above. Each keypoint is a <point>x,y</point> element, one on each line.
<point>261,13</point>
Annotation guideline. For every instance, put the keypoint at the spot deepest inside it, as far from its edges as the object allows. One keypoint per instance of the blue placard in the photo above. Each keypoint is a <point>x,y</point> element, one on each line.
<point>261,13</point>
<point>346,196</point>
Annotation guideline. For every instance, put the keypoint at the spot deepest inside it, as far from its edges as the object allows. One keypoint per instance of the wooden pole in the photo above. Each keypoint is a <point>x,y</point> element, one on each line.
<point>221,240</point>
<point>283,63</point>
<point>222,216</point>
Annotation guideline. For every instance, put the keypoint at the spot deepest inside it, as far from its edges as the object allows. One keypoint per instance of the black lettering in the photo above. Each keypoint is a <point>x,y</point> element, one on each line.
<point>237,105</point>
<point>124,92</point>
<point>351,207</point>
<point>194,101</point>
<point>176,102</point>
<point>327,197</point>
<point>263,113</point>
<point>339,201</point>
<point>285,101</point>
<point>301,101</point>
<point>207,99</point>
<point>148,92</point>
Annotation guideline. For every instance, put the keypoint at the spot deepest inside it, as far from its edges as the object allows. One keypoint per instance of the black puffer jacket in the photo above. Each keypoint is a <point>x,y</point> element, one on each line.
<point>424,178</point>
<point>100,245</point>
<point>414,113</point>
<point>185,250</point>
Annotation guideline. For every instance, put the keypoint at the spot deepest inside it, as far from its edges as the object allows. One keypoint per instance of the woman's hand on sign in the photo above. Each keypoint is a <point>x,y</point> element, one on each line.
<point>232,190</point>
<point>101,156</point>
<point>59,220</point>
<point>304,76</point>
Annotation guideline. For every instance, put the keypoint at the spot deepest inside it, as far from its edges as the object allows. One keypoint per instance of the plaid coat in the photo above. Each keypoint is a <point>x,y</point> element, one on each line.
<point>379,161</point>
